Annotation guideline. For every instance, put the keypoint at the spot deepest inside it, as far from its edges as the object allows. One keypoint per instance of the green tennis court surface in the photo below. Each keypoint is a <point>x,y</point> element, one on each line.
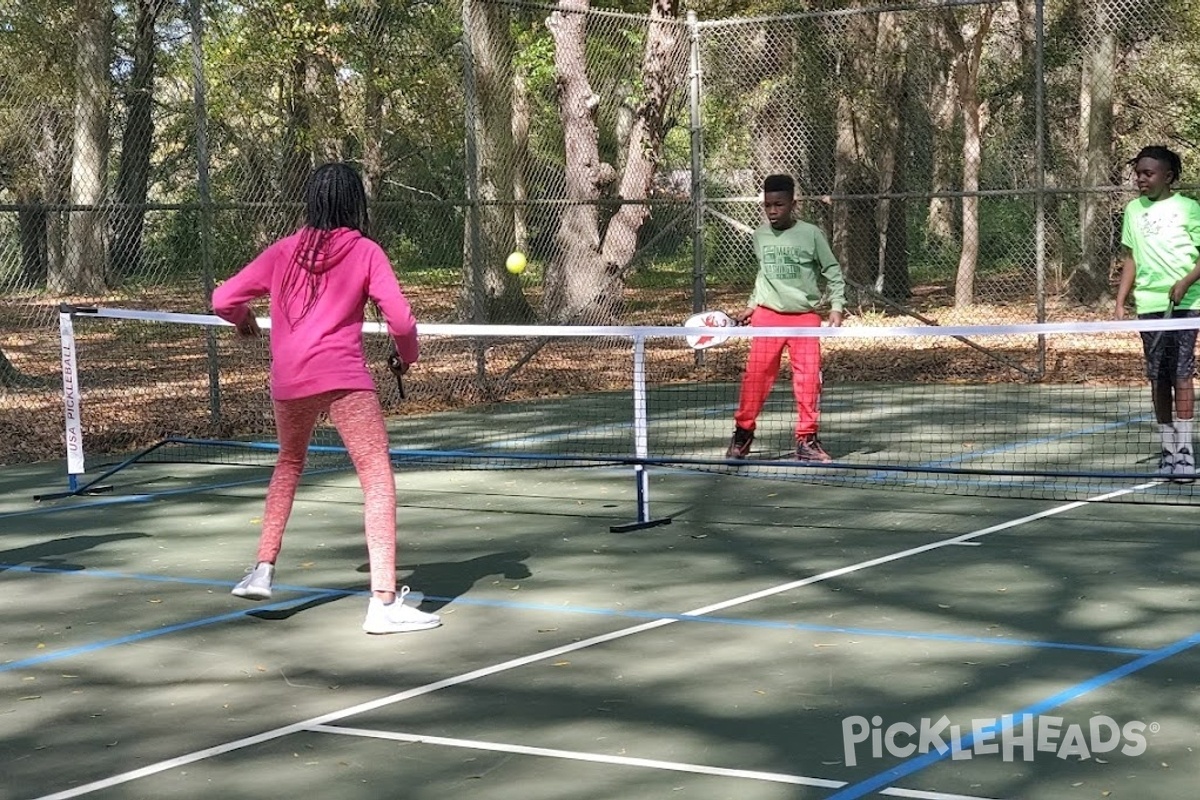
<point>723,656</point>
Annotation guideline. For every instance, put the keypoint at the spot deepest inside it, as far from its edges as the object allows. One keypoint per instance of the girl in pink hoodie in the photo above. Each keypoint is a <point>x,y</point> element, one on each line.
<point>320,280</point>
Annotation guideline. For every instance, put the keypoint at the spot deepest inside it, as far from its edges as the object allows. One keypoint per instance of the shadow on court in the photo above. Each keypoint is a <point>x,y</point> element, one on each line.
<point>441,582</point>
<point>599,679</point>
<point>49,554</point>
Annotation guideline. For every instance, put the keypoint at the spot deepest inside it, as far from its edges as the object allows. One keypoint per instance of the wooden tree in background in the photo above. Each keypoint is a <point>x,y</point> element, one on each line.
<point>84,268</point>
<point>967,31</point>
<point>870,236</point>
<point>585,280</point>
<point>137,144</point>
<point>490,293</point>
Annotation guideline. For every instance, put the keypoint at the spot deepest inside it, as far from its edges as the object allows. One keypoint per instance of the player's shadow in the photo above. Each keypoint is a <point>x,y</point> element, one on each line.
<point>440,582</point>
<point>51,556</point>
<point>443,581</point>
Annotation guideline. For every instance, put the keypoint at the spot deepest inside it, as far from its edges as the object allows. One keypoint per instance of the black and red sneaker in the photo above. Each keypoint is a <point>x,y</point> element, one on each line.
<point>739,445</point>
<point>808,448</point>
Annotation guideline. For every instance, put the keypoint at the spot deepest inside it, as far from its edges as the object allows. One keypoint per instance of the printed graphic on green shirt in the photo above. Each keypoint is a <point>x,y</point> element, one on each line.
<point>784,262</point>
<point>1162,236</point>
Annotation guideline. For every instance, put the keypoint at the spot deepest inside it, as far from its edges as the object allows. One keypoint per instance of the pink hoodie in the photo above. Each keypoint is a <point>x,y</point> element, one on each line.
<point>322,351</point>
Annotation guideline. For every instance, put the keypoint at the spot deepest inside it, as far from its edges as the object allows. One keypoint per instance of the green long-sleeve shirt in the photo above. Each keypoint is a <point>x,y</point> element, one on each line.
<point>789,263</point>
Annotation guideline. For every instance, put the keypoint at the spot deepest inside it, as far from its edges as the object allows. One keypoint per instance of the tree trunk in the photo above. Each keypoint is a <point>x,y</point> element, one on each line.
<point>574,279</point>
<point>964,280</point>
<point>661,74</point>
<point>939,224</point>
<point>52,160</point>
<point>297,157</point>
<point>372,149</point>
<point>970,57</point>
<point>855,230</point>
<point>1090,280</point>
<point>491,45</point>
<point>133,173</point>
<point>891,279</point>
<point>520,178</point>
<point>32,227</point>
<point>585,282</point>
<point>83,271</point>
<point>897,282</point>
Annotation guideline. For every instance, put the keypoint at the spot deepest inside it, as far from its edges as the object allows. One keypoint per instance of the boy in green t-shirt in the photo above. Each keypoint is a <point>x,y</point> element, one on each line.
<point>1161,263</point>
<point>792,255</point>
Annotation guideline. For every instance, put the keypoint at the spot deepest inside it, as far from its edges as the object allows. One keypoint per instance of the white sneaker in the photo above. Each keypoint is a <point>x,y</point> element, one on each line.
<point>397,617</point>
<point>257,583</point>
<point>1184,468</point>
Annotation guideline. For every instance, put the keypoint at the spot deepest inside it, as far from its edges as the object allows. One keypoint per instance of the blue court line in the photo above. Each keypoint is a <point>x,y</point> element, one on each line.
<point>137,637</point>
<point>125,499</point>
<point>890,776</point>
<point>309,593</point>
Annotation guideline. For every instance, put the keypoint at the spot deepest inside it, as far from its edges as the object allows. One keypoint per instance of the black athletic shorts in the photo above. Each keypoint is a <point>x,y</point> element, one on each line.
<point>1173,357</point>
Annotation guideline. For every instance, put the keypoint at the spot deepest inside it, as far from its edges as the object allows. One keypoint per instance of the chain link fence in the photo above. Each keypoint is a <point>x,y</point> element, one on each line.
<point>965,157</point>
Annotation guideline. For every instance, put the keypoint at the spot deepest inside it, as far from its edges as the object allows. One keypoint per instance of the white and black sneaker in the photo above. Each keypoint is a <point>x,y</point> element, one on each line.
<point>1183,470</point>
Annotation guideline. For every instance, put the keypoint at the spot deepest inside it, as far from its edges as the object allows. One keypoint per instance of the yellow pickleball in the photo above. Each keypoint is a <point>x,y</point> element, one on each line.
<point>515,263</point>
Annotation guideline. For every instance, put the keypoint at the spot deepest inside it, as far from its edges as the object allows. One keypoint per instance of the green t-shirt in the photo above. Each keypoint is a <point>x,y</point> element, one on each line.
<point>1164,238</point>
<point>788,264</point>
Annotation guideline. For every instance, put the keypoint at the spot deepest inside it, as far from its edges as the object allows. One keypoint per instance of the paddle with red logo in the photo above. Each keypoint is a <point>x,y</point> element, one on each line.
<point>707,319</point>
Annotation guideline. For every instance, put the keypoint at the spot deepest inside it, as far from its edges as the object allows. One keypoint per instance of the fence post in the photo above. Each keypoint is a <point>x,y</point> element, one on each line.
<point>1039,115</point>
<point>474,238</point>
<point>204,193</point>
<point>699,299</point>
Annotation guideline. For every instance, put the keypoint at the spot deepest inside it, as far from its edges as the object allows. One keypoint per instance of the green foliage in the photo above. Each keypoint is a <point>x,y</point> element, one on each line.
<point>291,83</point>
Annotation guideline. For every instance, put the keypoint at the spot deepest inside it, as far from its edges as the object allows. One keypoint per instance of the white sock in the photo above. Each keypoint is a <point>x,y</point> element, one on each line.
<point>1167,432</point>
<point>1183,435</point>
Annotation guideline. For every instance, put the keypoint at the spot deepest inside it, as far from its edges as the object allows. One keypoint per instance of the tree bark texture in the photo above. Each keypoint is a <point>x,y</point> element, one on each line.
<point>137,141</point>
<point>491,45</point>
<point>83,270</point>
<point>1090,279</point>
<point>575,284</point>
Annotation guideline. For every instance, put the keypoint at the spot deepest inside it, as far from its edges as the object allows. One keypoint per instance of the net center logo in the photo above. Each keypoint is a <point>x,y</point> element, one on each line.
<point>1005,736</point>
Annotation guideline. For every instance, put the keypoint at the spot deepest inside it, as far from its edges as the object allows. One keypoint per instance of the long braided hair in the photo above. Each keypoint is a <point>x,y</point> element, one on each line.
<point>334,198</point>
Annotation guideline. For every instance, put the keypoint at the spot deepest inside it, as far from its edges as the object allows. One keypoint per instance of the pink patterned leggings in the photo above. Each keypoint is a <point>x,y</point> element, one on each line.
<point>359,419</point>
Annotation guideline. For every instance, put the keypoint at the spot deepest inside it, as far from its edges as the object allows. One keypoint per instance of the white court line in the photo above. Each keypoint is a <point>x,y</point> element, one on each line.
<point>629,761</point>
<point>466,677</point>
<point>874,562</point>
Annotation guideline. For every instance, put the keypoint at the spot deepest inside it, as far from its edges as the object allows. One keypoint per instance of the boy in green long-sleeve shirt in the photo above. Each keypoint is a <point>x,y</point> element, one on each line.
<point>793,258</point>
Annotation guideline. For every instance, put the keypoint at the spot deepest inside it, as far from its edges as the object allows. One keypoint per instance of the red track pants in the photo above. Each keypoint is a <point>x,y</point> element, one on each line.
<point>762,367</point>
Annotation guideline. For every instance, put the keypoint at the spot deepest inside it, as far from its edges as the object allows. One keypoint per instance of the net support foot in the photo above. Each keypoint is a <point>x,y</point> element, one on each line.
<point>643,506</point>
<point>641,525</point>
<point>86,491</point>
